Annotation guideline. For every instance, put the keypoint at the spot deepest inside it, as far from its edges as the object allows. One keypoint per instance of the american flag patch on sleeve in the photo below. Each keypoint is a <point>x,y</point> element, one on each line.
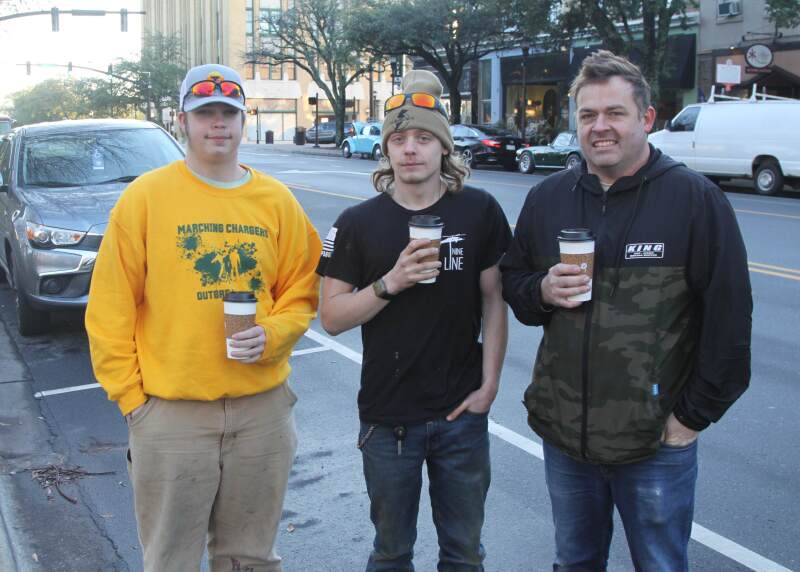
<point>327,244</point>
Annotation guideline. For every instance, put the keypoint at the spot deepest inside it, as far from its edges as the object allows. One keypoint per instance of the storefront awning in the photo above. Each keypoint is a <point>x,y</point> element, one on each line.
<point>679,67</point>
<point>776,76</point>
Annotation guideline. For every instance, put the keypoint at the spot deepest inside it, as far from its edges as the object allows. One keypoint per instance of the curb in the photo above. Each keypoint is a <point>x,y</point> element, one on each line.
<point>13,372</point>
<point>296,149</point>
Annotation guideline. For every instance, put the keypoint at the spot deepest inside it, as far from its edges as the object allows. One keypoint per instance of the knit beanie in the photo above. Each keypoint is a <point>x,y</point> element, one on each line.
<point>409,116</point>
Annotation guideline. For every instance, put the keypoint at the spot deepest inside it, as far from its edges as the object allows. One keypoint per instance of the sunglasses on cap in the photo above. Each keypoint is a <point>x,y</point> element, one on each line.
<point>418,99</point>
<point>207,87</point>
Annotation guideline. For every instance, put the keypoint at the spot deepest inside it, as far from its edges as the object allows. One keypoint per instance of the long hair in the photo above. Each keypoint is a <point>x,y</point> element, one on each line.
<point>454,171</point>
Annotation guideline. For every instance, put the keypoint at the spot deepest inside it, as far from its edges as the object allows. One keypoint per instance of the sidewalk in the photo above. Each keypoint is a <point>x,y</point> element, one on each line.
<point>328,150</point>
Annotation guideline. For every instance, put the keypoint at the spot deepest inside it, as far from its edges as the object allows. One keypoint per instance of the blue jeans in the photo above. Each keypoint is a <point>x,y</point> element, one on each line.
<point>654,497</point>
<point>457,455</point>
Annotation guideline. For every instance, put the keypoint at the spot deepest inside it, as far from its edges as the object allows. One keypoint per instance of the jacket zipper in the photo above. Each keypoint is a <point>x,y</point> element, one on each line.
<point>587,326</point>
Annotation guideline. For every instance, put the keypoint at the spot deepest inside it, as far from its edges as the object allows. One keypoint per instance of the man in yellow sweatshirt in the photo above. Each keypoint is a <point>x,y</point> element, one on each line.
<point>212,439</point>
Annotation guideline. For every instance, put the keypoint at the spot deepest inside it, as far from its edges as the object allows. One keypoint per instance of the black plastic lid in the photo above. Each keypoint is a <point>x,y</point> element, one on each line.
<point>247,297</point>
<point>575,235</point>
<point>426,221</point>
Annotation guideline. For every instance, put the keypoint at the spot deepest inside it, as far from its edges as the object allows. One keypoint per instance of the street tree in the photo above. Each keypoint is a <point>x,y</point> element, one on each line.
<point>783,14</point>
<point>50,100</point>
<point>313,36</point>
<point>613,23</point>
<point>447,34</point>
<point>152,83</point>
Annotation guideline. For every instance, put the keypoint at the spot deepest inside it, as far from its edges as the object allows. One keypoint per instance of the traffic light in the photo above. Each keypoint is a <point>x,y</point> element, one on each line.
<point>69,67</point>
<point>54,18</point>
<point>123,17</point>
<point>110,69</point>
<point>28,67</point>
<point>312,100</point>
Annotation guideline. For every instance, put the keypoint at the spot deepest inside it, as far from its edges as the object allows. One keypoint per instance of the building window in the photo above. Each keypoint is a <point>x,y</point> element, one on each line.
<point>485,91</point>
<point>250,70</point>
<point>728,9</point>
<point>269,14</point>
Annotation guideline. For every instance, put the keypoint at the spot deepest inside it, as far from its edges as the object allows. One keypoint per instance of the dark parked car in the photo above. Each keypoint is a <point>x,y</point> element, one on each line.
<point>563,153</point>
<point>486,144</point>
<point>58,183</point>
<point>327,132</point>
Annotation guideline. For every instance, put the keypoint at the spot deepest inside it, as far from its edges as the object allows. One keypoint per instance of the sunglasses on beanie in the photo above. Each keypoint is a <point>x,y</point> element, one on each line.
<point>418,99</point>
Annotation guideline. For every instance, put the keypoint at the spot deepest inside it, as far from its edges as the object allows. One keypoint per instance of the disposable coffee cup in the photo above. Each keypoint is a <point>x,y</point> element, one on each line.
<point>427,227</point>
<point>577,247</point>
<point>240,315</point>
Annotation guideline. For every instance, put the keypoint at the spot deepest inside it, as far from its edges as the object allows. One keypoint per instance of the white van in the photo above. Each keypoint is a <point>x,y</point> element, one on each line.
<point>728,137</point>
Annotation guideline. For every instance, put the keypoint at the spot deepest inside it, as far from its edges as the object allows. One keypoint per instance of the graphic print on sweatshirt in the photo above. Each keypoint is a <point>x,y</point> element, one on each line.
<point>223,257</point>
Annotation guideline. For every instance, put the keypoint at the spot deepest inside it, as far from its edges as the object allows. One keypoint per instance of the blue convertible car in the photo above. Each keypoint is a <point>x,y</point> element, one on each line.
<point>366,141</point>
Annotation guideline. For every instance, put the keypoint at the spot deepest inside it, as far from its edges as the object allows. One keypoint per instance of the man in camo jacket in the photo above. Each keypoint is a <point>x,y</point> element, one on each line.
<point>623,383</point>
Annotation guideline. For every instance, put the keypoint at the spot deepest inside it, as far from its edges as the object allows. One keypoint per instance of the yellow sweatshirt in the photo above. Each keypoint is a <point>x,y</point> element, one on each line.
<point>173,247</point>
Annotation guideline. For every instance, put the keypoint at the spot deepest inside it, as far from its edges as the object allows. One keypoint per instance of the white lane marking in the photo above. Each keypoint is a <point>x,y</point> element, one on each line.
<point>305,172</point>
<point>334,345</point>
<point>509,436</point>
<point>40,394</point>
<point>712,540</point>
<point>310,351</point>
<point>49,392</point>
<point>734,551</point>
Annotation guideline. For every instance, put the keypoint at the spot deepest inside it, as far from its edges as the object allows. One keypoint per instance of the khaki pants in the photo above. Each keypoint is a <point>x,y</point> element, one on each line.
<point>214,469</point>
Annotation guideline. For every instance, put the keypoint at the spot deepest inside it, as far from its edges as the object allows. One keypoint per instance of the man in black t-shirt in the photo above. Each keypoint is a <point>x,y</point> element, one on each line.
<point>427,383</point>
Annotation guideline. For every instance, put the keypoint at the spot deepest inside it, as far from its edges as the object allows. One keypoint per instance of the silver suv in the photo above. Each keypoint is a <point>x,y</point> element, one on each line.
<point>58,184</point>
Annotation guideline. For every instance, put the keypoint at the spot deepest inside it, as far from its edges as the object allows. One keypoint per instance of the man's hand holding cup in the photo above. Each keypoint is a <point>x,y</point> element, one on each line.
<point>413,266</point>
<point>569,283</point>
<point>562,282</point>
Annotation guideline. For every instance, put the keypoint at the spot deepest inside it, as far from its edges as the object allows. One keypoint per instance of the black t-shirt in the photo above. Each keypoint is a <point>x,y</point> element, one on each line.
<point>421,352</point>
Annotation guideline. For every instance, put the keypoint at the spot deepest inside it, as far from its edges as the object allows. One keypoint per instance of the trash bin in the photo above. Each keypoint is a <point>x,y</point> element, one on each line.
<point>269,137</point>
<point>300,136</point>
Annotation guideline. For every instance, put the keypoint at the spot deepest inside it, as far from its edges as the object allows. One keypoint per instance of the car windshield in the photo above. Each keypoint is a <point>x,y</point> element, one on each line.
<point>563,139</point>
<point>488,130</point>
<point>93,157</point>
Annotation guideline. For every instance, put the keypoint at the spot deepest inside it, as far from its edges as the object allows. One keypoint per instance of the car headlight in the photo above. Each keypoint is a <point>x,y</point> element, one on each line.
<point>48,237</point>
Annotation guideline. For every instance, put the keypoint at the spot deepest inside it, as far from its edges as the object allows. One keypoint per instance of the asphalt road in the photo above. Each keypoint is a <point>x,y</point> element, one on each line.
<point>748,495</point>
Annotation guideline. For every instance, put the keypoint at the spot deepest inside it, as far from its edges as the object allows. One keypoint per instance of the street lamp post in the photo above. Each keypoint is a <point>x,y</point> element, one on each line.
<point>394,62</point>
<point>523,119</point>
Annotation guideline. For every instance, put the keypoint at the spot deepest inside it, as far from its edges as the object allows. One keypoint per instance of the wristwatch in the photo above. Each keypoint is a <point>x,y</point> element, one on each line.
<point>379,287</point>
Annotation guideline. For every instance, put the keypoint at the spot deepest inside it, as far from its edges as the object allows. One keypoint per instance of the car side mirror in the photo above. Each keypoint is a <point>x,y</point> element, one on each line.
<point>668,125</point>
<point>3,185</point>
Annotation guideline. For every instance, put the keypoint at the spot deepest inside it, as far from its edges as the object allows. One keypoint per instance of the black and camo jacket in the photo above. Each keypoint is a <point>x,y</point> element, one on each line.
<point>668,328</point>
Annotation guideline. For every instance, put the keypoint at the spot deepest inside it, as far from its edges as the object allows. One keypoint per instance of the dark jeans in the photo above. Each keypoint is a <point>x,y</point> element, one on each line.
<point>457,455</point>
<point>654,497</point>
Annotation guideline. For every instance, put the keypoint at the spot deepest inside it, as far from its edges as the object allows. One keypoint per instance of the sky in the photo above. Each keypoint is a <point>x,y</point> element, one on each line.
<point>87,41</point>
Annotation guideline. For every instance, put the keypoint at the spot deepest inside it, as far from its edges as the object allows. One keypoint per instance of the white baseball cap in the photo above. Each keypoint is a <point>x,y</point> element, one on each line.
<point>219,75</point>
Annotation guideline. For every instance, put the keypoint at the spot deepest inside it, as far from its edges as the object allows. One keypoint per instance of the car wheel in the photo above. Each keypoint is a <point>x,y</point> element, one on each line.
<point>30,321</point>
<point>466,154</point>
<point>526,164</point>
<point>769,178</point>
<point>346,152</point>
<point>571,161</point>
<point>376,153</point>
